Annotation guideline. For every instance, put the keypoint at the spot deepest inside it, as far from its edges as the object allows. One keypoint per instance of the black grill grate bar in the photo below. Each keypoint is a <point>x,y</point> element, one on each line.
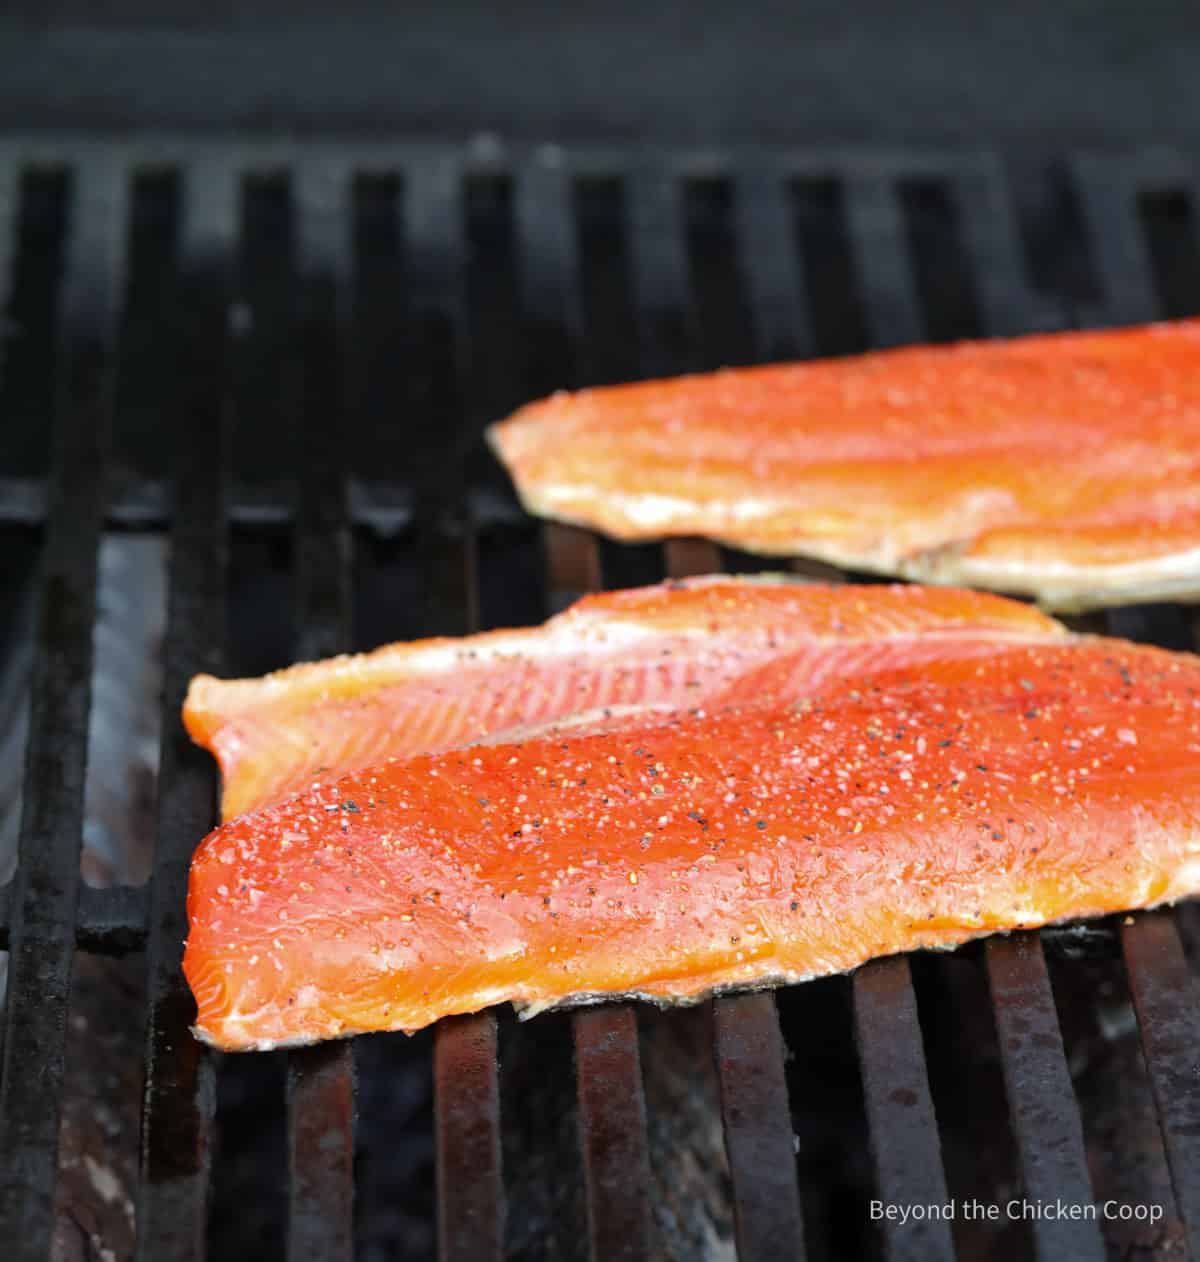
<point>1107,195</point>
<point>1008,304</point>
<point>904,1135</point>
<point>10,179</point>
<point>767,251</point>
<point>884,271</point>
<point>434,217</point>
<point>666,332</point>
<point>47,882</point>
<point>210,209</point>
<point>179,1097</point>
<point>1042,1105</point>
<point>549,273</point>
<point>550,297</point>
<point>145,504</point>
<point>112,921</point>
<point>322,538</point>
<point>109,921</point>
<point>112,918</point>
<point>466,1087</point>
<point>320,1119</point>
<point>612,1117</point>
<point>470,1188</point>
<point>758,1130</point>
<point>1043,1109</point>
<point>1165,998</point>
<point>1163,994</point>
<point>322,191</point>
<point>320,1080</point>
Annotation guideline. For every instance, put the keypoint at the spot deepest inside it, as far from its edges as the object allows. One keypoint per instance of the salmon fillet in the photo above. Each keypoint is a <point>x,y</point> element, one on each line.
<point>677,643</point>
<point>1065,466</point>
<point>814,822</point>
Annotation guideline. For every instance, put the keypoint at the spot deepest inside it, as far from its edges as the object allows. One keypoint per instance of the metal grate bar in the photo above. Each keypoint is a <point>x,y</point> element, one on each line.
<point>10,179</point>
<point>758,1129</point>
<point>43,934</point>
<point>573,562</point>
<point>989,226</point>
<point>884,271</point>
<point>465,1070</point>
<point>434,220</point>
<point>1044,1111</point>
<point>1045,1114</point>
<point>660,276</point>
<point>766,246</point>
<point>180,1092</point>
<point>546,246</point>
<point>320,1113</point>
<point>322,537</point>
<point>1165,998</point>
<point>320,1080</point>
<point>470,1218</point>
<point>110,921</point>
<point>904,1134</point>
<point>612,1116</point>
<point>46,886</point>
<point>550,297</point>
<point>1107,191</point>
<point>689,557</point>
<point>144,503</point>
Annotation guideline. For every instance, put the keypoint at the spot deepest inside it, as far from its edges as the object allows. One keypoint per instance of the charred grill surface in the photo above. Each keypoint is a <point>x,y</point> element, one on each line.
<point>281,358</point>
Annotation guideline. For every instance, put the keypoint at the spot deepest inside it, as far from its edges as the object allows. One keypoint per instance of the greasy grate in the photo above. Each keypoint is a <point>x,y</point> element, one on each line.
<point>295,347</point>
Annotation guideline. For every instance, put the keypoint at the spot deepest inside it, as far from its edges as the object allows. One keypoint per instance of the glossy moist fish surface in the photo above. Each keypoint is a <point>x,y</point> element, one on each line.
<point>668,645</point>
<point>709,849</point>
<point>1064,466</point>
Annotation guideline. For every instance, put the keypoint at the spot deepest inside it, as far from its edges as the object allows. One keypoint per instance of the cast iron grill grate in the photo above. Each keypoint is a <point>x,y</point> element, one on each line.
<point>301,344</point>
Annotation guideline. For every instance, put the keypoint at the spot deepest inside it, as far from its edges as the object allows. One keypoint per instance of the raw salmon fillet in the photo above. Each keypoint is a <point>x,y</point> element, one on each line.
<point>802,824</point>
<point>1064,466</point>
<point>673,644</point>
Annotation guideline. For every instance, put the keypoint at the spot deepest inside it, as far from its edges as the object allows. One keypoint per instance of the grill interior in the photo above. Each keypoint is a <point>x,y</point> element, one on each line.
<point>281,356</point>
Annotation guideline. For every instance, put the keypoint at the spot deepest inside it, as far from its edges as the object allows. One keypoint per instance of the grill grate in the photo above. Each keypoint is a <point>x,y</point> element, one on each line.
<point>491,276</point>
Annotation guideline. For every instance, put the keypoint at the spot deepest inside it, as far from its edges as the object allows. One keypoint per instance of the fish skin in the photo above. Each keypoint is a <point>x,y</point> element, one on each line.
<point>720,849</point>
<point>674,643</point>
<point>1061,466</point>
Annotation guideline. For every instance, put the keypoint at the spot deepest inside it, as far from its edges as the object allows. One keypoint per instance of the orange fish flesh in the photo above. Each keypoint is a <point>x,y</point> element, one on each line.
<point>676,643</point>
<point>1063,466</point>
<point>821,822</point>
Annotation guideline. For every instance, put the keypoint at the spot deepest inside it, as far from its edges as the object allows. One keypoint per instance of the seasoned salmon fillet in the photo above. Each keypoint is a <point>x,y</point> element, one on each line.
<point>1064,466</point>
<point>794,823</point>
<point>666,645</point>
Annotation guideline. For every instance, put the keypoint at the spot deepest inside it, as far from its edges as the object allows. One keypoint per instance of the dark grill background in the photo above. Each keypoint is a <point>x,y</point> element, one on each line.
<point>284,355</point>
